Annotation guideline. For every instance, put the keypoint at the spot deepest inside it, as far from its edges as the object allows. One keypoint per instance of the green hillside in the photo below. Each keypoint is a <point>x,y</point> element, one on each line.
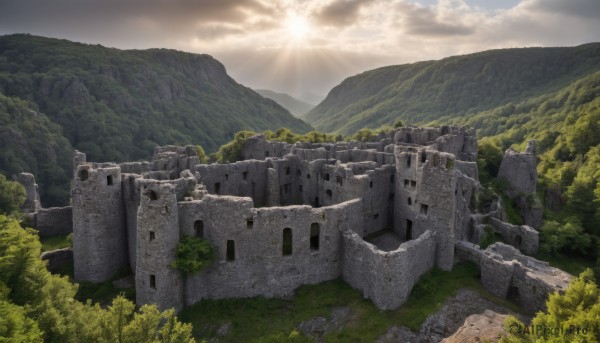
<point>453,87</point>
<point>295,106</point>
<point>31,142</point>
<point>116,105</point>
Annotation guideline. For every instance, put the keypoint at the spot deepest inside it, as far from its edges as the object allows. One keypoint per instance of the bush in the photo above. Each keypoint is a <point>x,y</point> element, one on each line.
<point>12,196</point>
<point>193,255</point>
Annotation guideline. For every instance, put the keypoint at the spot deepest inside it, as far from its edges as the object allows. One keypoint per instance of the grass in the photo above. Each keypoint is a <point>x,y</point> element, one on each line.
<point>573,265</point>
<point>258,317</point>
<point>104,292</point>
<point>55,242</point>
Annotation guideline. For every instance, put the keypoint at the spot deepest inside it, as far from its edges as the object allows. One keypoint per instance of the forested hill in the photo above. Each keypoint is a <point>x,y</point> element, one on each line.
<point>116,105</point>
<point>453,87</point>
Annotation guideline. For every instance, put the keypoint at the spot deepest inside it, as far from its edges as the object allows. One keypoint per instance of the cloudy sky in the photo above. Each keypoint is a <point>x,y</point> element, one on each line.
<point>309,45</point>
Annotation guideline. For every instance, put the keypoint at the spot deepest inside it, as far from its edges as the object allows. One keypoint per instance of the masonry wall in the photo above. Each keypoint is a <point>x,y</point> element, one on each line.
<point>426,198</point>
<point>157,239</point>
<point>386,277</point>
<point>99,232</point>
<point>243,178</point>
<point>54,221</point>
<point>259,266</point>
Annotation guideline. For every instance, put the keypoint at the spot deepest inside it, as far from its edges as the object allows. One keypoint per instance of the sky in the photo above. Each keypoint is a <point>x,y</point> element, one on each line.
<point>309,45</point>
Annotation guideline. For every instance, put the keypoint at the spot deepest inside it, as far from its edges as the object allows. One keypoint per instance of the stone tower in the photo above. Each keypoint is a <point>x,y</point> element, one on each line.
<point>99,233</point>
<point>157,239</point>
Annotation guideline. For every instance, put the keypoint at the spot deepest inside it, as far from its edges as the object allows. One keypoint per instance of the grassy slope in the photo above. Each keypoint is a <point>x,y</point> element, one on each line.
<point>455,87</point>
<point>254,318</point>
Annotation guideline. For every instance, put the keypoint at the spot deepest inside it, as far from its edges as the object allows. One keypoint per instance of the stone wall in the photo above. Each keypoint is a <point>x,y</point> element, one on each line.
<point>521,237</point>
<point>426,198</point>
<point>506,273</point>
<point>243,178</point>
<point>54,221</point>
<point>254,262</point>
<point>156,243</point>
<point>32,201</point>
<point>58,258</point>
<point>386,277</point>
<point>99,231</point>
<point>519,170</point>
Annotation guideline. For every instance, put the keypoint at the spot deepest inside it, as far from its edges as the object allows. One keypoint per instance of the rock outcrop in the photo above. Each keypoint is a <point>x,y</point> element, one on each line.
<point>485,327</point>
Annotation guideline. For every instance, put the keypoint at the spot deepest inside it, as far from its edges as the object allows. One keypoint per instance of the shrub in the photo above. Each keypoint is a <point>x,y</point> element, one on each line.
<point>193,255</point>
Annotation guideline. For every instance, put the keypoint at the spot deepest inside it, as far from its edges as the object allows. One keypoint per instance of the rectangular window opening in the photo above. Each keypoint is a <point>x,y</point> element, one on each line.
<point>287,242</point>
<point>249,224</point>
<point>314,236</point>
<point>109,180</point>
<point>217,188</point>
<point>152,236</point>
<point>199,228</point>
<point>153,281</point>
<point>230,256</point>
<point>245,175</point>
<point>424,209</point>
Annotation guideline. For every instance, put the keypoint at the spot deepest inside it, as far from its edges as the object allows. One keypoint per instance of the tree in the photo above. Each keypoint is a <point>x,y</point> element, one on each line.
<point>398,124</point>
<point>201,154</point>
<point>575,313</point>
<point>12,195</point>
<point>36,305</point>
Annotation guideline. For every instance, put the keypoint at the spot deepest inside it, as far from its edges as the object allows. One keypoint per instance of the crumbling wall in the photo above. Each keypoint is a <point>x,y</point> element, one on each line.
<point>32,201</point>
<point>519,170</point>
<point>523,237</point>
<point>506,273</point>
<point>243,178</point>
<point>386,277</point>
<point>365,181</point>
<point>54,221</point>
<point>259,265</point>
<point>426,198</point>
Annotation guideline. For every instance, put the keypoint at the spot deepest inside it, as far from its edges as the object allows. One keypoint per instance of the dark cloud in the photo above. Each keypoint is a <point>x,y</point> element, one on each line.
<point>422,21</point>
<point>589,9</point>
<point>340,12</point>
<point>127,18</point>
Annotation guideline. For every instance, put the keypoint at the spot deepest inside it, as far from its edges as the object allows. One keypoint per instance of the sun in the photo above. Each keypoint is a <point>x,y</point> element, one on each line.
<point>297,27</point>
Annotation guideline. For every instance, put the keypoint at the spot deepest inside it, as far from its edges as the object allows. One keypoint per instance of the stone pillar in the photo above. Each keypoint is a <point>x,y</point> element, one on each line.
<point>32,202</point>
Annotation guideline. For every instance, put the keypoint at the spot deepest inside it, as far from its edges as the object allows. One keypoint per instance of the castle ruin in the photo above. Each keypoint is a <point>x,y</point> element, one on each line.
<point>378,215</point>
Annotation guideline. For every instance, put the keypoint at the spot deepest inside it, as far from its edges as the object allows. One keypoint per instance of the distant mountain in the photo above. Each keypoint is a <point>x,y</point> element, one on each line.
<point>295,106</point>
<point>311,98</point>
<point>116,105</point>
<point>451,88</point>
